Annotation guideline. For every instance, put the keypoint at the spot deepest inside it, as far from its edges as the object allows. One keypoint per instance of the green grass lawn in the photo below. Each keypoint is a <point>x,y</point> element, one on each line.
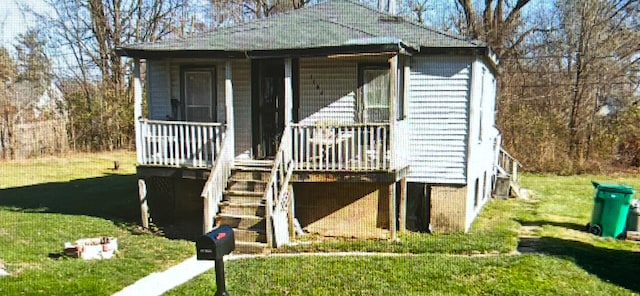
<point>566,261</point>
<point>46,202</point>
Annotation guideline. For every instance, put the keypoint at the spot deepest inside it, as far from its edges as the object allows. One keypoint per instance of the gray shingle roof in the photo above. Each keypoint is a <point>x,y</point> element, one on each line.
<point>326,25</point>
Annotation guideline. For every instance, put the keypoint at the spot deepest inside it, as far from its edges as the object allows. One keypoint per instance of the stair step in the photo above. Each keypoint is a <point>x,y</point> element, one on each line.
<point>243,193</point>
<point>254,236</point>
<point>242,197</point>
<point>254,209</point>
<point>252,168</point>
<point>247,222</point>
<point>253,163</point>
<point>246,185</point>
<point>250,174</point>
<point>250,248</point>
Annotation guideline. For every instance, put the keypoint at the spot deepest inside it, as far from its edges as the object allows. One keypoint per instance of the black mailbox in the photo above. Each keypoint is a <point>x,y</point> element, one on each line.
<point>216,243</point>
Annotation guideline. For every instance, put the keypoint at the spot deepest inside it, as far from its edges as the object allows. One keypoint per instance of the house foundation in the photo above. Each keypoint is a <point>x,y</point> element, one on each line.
<point>448,208</point>
<point>344,209</point>
<point>175,205</point>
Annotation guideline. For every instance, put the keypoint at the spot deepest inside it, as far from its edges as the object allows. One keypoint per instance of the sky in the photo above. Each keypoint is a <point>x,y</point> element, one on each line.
<point>14,22</point>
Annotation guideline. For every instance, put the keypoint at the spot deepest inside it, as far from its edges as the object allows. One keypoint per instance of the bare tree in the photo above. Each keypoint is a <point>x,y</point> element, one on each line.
<point>227,12</point>
<point>8,73</point>
<point>34,64</point>
<point>567,95</point>
<point>497,23</point>
<point>601,45</point>
<point>84,36</point>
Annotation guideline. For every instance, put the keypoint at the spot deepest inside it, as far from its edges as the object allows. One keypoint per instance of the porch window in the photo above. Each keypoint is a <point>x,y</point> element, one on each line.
<point>198,91</point>
<point>375,94</point>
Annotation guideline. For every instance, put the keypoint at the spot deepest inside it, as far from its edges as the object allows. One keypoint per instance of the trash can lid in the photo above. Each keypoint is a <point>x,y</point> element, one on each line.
<point>618,188</point>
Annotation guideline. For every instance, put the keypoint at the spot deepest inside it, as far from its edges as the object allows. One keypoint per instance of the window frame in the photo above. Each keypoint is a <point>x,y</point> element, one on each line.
<point>213,107</point>
<point>361,102</point>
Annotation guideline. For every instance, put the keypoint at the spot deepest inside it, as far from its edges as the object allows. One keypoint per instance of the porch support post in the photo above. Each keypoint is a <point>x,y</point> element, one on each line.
<point>137,107</point>
<point>288,92</point>
<point>292,212</point>
<point>144,208</point>
<point>393,100</point>
<point>402,213</point>
<point>392,212</point>
<point>228,100</point>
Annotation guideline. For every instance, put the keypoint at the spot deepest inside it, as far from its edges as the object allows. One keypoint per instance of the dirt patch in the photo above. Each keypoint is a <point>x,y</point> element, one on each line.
<point>529,240</point>
<point>528,245</point>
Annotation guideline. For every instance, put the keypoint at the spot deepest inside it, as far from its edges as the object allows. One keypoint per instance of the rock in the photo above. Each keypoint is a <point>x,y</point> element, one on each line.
<point>3,270</point>
<point>524,193</point>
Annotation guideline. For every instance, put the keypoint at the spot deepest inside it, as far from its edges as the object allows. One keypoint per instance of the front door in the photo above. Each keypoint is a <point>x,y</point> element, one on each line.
<point>268,106</point>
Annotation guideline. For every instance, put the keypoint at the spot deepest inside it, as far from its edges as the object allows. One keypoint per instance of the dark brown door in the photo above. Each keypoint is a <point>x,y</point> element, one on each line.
<point>268,106</point>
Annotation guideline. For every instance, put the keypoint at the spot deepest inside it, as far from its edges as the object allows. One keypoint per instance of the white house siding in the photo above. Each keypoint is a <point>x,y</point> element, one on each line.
<point>327,90</point>
<point>481,139</point>
<point>437,112</point>
<point>164,85</point>
<point>158,90</point>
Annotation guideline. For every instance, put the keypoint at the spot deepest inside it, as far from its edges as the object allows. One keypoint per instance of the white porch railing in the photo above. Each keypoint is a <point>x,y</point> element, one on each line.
<point>349,147</point>
<point>177,143</point>
<point>277,195</point>
<point>507,165</point>
<point>217,182</point>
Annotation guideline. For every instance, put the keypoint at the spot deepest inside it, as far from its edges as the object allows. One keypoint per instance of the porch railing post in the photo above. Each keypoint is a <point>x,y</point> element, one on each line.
<point>393,99</point>
<point>137,107</point>
<point>288,92</point>
<point>228,99</point>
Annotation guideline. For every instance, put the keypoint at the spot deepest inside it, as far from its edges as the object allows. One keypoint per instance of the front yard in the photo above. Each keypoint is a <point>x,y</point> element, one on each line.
<point>46,202</point>
<point>558,257</point>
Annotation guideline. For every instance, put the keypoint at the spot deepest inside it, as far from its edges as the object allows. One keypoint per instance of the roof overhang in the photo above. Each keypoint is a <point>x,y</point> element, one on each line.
<point>266,54</point>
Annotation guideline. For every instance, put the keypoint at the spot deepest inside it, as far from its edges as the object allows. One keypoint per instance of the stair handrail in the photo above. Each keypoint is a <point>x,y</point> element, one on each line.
<point>213,190</point>
<point>277,187</point>
<point>508,164</point>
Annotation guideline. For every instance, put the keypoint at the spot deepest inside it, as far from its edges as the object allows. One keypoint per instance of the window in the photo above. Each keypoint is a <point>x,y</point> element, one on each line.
<point>198,91</point>
<point>476,201</point>
<point>482,103</point>
<point>375,94</point>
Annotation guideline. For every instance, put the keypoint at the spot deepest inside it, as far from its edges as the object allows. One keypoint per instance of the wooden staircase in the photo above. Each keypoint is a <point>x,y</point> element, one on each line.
<point>243,207</point>
<point>507,184</point>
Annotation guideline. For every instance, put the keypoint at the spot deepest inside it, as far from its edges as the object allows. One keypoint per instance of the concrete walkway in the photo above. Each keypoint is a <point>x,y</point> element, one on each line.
<point>158,283</point>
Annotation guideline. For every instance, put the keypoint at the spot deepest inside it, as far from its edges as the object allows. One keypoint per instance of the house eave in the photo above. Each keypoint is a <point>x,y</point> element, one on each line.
<point>265,54</point>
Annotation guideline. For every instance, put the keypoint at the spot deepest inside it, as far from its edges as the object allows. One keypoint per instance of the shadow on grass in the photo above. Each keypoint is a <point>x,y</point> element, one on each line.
<point>566,225</point>
<point>112,197</point>
<point>618,267</point>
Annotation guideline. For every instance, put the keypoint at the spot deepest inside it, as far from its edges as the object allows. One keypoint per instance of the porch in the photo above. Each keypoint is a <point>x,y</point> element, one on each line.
<point>361,147</point>
<point>373,153</point>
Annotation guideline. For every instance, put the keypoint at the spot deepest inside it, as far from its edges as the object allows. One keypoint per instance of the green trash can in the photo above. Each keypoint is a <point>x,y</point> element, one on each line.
<point>610,209</point>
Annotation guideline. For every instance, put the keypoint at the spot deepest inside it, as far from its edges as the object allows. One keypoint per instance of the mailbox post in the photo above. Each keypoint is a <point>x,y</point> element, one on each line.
<point>213,246</point>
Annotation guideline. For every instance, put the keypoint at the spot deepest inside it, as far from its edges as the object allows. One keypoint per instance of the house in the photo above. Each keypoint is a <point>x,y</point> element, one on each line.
<point>337,117</point>
<point>32,120</point>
